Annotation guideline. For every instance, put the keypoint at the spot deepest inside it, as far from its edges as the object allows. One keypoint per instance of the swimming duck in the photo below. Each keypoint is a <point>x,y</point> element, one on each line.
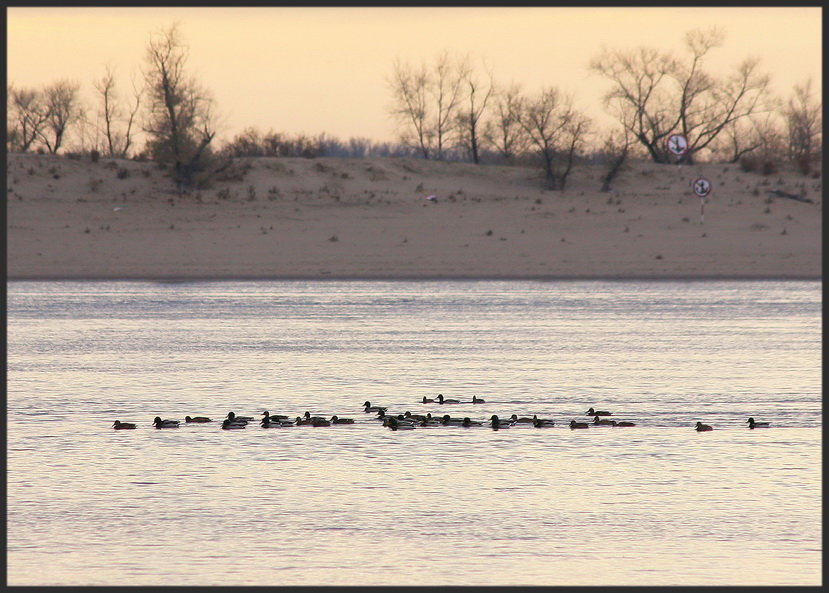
<point>267,414</point>
<point>624,423</point>
<point>478,400</point>
<point>443,400</point>
<point>753,424</point>
<point>703,427</point>
<point>316,421</point>
<point>159,423</point>
<point>382,416</point>
<point>234,418</point>
<point>497,423</point>
<point>427,400</point>
<point>197,419</point>
<point>312,418</point>
<point>118,425</point>
<point>542,422</point>
<point>597,421</point>
<point>337,420</point>
<point>228,425</point>
<point>271,422</point>
<point>300,420</point>
<point>592,412</point>
<point>395,424</point>
<point>447,420</point>
<point>429,421</point>
<point>524,420</point>
<point>399,420</point>
<point>467,422</point>
<point>417,417</point>
<point>574,424</point>
<point>370,408</point>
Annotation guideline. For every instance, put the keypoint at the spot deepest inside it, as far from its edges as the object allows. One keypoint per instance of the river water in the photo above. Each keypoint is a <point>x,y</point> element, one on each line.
<point>360,504</point>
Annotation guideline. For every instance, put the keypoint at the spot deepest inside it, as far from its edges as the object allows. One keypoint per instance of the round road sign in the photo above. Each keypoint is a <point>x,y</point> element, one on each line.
<point>677,144</point>
<point>702,187</point>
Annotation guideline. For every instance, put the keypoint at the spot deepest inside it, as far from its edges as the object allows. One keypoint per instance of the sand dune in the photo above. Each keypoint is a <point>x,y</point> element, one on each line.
<point>369,218</point>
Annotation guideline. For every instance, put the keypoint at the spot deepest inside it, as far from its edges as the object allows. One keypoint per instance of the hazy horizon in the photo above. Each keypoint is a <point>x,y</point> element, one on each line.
<point>316,70</point>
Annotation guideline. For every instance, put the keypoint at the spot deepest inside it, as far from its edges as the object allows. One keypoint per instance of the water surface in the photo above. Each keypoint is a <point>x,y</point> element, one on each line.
<point>656,504</point>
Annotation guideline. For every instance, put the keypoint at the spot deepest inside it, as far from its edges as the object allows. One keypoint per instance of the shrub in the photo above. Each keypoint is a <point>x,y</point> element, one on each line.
<point>764,166</point>
<point>804,164</point>
<point>748,164</point>
<point>769,167</point>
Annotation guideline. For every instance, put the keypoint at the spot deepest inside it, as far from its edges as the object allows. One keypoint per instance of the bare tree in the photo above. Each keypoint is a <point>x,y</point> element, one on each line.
<point>425,102</point>
<point>504,130</point>
<point>708,112</point>
<point>656,95</point>
<point>740,138</point>
<point>26,116</point>
<point>411,105</point>
<point>445,89</point>
<point>62,110</point>
<point>118,121</point>
<point>575,133</point>
<point>804,125</point>
<point>555,128</point>
<point>638,96</point>
<point>180,121</point>
<point>475,99</point>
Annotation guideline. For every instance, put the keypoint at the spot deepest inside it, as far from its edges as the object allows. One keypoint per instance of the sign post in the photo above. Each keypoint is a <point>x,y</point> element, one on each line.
<point>702,187</point>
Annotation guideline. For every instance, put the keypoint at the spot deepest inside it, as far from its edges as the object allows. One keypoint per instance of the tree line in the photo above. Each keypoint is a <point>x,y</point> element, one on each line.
<point>447,109</point>
<point>652,94</point>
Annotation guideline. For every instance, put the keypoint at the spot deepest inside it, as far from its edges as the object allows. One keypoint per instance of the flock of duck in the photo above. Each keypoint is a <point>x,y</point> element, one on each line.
<point>406,420</point>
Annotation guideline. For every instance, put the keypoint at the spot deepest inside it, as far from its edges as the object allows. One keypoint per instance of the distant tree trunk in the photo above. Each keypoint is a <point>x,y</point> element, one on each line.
<point>117,141</point>
<point>446,92</point>
<point>473,111</point>
<point>616,164</point>
<point>574,135</point>
<point>106,89</point>
<point>617,147</point>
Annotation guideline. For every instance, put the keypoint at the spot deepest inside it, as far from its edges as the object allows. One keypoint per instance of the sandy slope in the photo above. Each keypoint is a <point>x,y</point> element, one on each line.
<point>367,218</point>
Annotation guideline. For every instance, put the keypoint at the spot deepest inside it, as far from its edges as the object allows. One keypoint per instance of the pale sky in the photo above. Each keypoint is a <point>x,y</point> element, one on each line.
<point>323,69</point>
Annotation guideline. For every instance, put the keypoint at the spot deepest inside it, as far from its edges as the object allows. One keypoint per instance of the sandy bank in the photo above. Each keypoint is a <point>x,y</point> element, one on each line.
<point>369,218</point>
